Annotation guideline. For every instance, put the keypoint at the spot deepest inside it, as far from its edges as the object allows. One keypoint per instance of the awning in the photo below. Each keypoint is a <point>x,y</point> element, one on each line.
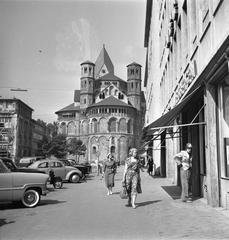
<point>165,120</point>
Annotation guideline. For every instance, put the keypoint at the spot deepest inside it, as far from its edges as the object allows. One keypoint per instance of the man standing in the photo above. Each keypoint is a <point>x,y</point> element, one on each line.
<point>184,159</point>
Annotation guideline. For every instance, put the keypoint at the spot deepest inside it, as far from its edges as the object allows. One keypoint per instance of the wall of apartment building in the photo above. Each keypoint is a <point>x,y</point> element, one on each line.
<point>184,40</point>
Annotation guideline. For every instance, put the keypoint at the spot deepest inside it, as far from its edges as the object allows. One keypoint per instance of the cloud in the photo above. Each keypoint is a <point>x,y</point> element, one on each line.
<point>73,45</point>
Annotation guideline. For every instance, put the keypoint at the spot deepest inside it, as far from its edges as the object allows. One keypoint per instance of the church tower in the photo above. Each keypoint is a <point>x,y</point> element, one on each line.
<point>87,84</point>
<point>134,84</point>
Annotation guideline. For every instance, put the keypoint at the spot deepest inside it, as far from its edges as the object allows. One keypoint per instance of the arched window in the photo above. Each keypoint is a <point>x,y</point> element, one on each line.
<point>71,128</point>
<point>103,125</point>
<point>63,128</point>
<point>122,125</point>
<point>112,125</point>
<point>84,127</point>
<point>94,127</point>
<point>111,90</point>
<point>130,126</point>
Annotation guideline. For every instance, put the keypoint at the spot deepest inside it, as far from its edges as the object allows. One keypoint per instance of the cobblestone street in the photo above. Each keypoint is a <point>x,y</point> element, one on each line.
<point>83,211</point>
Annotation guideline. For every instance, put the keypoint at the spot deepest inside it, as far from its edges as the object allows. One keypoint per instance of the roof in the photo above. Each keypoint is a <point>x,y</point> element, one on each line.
<point>110,76</point>
<point>77,96</point>
<point>111,101</point>
<point>102,59</point>
<point>70,107</point>
<point>134,63</point>
<point>87,62</point>
<point>15,100</point>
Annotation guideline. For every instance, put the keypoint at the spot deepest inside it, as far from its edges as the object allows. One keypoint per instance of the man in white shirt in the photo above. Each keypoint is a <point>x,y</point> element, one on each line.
<point>184,159</point>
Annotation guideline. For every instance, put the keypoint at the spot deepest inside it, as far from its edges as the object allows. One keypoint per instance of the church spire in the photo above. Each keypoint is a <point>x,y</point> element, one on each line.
<point>103,64</point>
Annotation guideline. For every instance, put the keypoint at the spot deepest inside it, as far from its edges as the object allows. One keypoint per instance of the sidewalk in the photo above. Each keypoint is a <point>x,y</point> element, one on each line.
<point>160,214</point>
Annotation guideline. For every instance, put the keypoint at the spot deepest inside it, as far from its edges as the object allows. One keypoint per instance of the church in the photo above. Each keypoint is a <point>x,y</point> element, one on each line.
<point>107,114</point>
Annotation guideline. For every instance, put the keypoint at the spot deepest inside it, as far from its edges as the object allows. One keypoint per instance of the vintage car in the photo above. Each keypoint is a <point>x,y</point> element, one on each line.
<point>26,161</point>
<point>83,168</point>
<point>26,187</point>
<point>66,173</point>
<point>14,168</point>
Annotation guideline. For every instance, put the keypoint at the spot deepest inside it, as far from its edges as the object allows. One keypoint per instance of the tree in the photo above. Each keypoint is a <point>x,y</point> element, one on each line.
<point>55,146</point>
<point>76,147</point>
<point>52,129</point>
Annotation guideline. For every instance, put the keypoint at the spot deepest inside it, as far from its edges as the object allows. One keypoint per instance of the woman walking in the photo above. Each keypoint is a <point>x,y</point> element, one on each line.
<point>131,176</point>
<point>109,170</point>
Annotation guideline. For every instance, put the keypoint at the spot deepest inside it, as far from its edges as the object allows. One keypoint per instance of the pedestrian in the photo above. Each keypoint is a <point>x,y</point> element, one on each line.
<point>109,171</point>
<point>150,164</point>
<point>184,160</point>
<point>131,176</point>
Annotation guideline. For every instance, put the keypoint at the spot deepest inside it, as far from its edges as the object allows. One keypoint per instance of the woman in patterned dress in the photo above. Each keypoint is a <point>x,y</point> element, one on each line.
<point>131,177</point>
<point>109,170</point>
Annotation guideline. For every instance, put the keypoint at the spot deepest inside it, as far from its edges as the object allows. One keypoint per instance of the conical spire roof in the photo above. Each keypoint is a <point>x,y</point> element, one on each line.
<point>103,59</point>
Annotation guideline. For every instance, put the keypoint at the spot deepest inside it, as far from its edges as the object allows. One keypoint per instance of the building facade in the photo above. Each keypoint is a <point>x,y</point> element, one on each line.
<point>38,134</point>
<point>107,113</point>
<point>15,129</point>
<point>187,97</point>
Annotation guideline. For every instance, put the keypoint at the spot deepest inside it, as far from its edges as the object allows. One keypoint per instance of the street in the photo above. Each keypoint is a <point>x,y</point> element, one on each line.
<point>84,211</point>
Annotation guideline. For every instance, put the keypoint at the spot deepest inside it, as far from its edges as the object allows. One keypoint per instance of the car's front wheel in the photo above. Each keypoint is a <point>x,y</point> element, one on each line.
<point>31,198</point>
<point>74,178</point>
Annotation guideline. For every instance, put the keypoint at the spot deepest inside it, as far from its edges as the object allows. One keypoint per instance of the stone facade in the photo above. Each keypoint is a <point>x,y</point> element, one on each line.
<point>15,129</point>
<point>186,84</point>
<point>107,113</point>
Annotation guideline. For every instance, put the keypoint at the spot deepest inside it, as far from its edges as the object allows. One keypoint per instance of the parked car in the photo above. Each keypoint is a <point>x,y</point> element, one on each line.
<point>26,161</point>
<point>13,168</point>
<point>66,173</point>
<point>26,187</point>
<point>70,162</point>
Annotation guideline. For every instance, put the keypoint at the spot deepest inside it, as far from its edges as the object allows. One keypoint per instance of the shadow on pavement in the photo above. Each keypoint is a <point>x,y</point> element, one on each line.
<point>52,189</point>
<point>116,192</point>
<point>17,205</point>
<point>3,221</point>
<point>142,204</point>
<point>173,191</point>
<point>49,201</point>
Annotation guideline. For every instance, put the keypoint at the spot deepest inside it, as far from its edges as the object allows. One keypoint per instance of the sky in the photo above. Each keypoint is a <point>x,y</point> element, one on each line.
<point>43,43</point>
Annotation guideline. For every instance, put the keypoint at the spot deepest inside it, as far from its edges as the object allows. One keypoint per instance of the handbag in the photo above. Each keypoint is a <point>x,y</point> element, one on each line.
<point>123,193</point>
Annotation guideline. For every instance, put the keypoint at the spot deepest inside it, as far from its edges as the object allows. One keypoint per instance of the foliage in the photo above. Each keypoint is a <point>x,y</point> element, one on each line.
<point>52,129</point>
<point>76,147</point>
<point>55,146</point>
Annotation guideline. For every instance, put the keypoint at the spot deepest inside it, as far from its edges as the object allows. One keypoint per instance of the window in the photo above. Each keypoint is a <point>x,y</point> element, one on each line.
<point>43,165</point>
<point>112,125</point>
<point>58,165</point>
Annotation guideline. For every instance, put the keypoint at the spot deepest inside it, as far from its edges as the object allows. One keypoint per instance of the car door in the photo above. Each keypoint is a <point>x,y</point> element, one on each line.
<point>58,168</point>
<point>6,183</point>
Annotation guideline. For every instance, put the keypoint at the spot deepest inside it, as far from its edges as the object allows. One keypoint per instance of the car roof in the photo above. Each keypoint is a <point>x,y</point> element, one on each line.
<point>44,160</point>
